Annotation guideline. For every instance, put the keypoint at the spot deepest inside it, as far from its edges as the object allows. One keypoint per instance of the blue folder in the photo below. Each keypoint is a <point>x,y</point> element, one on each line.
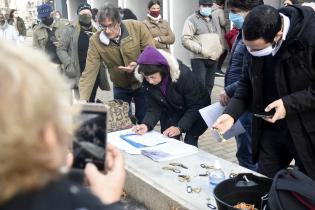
<point>135,144</point>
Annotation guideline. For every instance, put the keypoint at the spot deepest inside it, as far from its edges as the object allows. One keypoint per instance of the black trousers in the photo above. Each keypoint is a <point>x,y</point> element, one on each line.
<point>276,151</point>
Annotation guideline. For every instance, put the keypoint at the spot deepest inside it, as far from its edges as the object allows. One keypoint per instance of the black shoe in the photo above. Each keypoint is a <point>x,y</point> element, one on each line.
<point>219,73</point>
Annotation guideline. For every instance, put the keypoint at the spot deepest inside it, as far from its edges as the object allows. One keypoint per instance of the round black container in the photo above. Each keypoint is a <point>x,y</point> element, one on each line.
<point>249,189</point>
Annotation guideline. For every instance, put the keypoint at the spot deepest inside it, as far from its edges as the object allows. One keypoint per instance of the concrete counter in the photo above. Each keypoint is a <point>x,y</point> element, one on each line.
<point>160,189</point>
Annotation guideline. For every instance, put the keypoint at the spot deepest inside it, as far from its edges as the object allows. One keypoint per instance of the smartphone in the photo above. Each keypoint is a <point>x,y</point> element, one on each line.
<point>90,136</point>
<point>265,114</point>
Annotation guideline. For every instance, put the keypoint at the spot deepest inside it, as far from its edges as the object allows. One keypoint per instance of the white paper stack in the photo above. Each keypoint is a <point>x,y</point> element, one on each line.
<point>152,144</point>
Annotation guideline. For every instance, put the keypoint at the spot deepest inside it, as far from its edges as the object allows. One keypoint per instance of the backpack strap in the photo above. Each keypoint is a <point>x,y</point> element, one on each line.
<point>295,181</point>
<point>275,201</point>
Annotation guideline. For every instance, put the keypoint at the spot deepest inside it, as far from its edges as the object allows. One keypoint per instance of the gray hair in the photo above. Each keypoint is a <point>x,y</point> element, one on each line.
<point>109,11</point>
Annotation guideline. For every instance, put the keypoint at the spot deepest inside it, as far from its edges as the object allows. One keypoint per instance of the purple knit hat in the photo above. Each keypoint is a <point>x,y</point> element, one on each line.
<point>151,56</point>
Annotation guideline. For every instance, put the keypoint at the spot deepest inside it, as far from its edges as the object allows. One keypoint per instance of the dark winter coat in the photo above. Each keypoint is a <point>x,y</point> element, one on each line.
<point>63,194</point>
<point>185,96</point>
<point>235,66</point>
<point>295,83</point>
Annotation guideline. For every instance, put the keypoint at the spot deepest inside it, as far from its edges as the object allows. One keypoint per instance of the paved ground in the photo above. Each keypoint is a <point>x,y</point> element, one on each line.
<point>225,150</point>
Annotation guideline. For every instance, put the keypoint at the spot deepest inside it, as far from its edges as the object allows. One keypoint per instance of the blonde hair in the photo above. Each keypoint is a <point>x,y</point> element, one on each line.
<point>33,95</point>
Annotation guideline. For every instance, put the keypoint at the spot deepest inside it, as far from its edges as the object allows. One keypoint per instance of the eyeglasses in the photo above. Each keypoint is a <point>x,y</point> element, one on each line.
<point>109,27</point>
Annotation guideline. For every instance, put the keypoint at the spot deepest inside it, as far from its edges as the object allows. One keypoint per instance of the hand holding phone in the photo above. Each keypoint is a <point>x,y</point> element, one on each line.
<point>114,179</point>
<point>265,114</point>
<point>90,136</point>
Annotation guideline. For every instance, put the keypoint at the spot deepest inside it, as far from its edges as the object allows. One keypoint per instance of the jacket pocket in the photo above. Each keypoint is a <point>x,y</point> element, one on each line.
<point>42,40</point>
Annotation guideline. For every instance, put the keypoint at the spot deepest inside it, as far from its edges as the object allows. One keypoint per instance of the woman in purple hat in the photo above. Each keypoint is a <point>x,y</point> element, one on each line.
<point>174,96</point>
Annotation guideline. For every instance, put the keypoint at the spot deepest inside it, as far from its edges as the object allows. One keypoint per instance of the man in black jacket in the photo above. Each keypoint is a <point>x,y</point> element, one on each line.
<point>278,75</point>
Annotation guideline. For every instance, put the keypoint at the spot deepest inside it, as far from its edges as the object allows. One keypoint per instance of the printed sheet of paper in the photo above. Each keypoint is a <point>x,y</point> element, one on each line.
<point>211,113</point>
<point>149,139</point>
<point>159,147</point>
<point>170,150</point>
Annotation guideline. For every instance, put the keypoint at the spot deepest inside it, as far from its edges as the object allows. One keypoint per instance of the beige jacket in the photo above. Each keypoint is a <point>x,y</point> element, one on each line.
<point>218,15</point>
<point>162,30</point>
<point>134,38</point>
<point>194,32</point>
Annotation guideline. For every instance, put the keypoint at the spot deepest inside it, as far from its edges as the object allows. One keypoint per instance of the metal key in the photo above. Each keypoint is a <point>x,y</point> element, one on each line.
<point>184,178</point>
<point>175,170</point>
<point>179,165</point>
<point>206,166</point>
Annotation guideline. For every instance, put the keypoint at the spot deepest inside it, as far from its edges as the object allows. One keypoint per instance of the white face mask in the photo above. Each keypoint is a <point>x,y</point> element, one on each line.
<point>260,53</point>
<point>266,51</point>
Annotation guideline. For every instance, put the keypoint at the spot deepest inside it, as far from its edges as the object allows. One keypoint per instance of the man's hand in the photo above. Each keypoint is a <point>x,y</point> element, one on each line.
<point>279,108</point>
<point>140,129</point>
<point>224,98</point>
<point>172,131</point>
<point>108,187</point>
<point>130,68</point>
<point>223,123</point>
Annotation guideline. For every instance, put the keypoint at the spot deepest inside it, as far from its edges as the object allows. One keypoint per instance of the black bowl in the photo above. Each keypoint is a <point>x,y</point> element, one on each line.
<point>249,189</point>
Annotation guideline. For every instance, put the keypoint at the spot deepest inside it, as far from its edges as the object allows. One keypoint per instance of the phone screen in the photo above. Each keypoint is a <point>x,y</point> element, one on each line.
<point>90,139</point>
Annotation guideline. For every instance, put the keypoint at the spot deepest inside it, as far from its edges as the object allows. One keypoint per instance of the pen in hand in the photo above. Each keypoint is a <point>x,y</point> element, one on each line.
<point>140,129</point>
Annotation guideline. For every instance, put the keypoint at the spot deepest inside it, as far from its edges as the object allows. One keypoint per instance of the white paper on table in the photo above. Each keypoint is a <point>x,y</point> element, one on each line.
<point>211,113</point>
<point>114,139</point>
<point>170,150</point>
<point>149,139</point>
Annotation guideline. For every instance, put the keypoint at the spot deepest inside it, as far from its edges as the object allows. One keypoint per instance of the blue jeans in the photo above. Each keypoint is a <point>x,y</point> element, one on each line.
<point>244,143</point>
<point>138,96</point>
<point>204,69</point>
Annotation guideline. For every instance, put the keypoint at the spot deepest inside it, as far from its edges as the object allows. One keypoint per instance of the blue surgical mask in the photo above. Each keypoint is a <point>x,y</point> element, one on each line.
<point>236,19</point>
<point>206,11</point>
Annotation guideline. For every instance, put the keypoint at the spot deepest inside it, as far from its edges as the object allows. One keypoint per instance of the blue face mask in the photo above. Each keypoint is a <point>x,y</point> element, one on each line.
<point>206,11</point>
<point>236,19</point>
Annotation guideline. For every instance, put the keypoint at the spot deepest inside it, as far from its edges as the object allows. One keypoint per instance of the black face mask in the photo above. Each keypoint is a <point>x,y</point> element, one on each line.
<point>85,20</point>
<point>48,21</point>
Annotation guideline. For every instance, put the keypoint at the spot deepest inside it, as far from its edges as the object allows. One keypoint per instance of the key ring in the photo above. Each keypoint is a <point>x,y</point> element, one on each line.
<point>202,165</point>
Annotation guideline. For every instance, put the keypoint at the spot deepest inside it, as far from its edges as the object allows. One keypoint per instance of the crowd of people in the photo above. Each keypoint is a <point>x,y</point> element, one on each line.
<point>270,69</point>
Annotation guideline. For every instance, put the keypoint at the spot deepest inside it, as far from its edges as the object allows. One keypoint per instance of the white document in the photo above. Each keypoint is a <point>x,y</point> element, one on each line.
<point>170,150</point>
<point>114,139</point>
<point>211,113</point>
<point>158,147</point>
<point>149,139</point>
